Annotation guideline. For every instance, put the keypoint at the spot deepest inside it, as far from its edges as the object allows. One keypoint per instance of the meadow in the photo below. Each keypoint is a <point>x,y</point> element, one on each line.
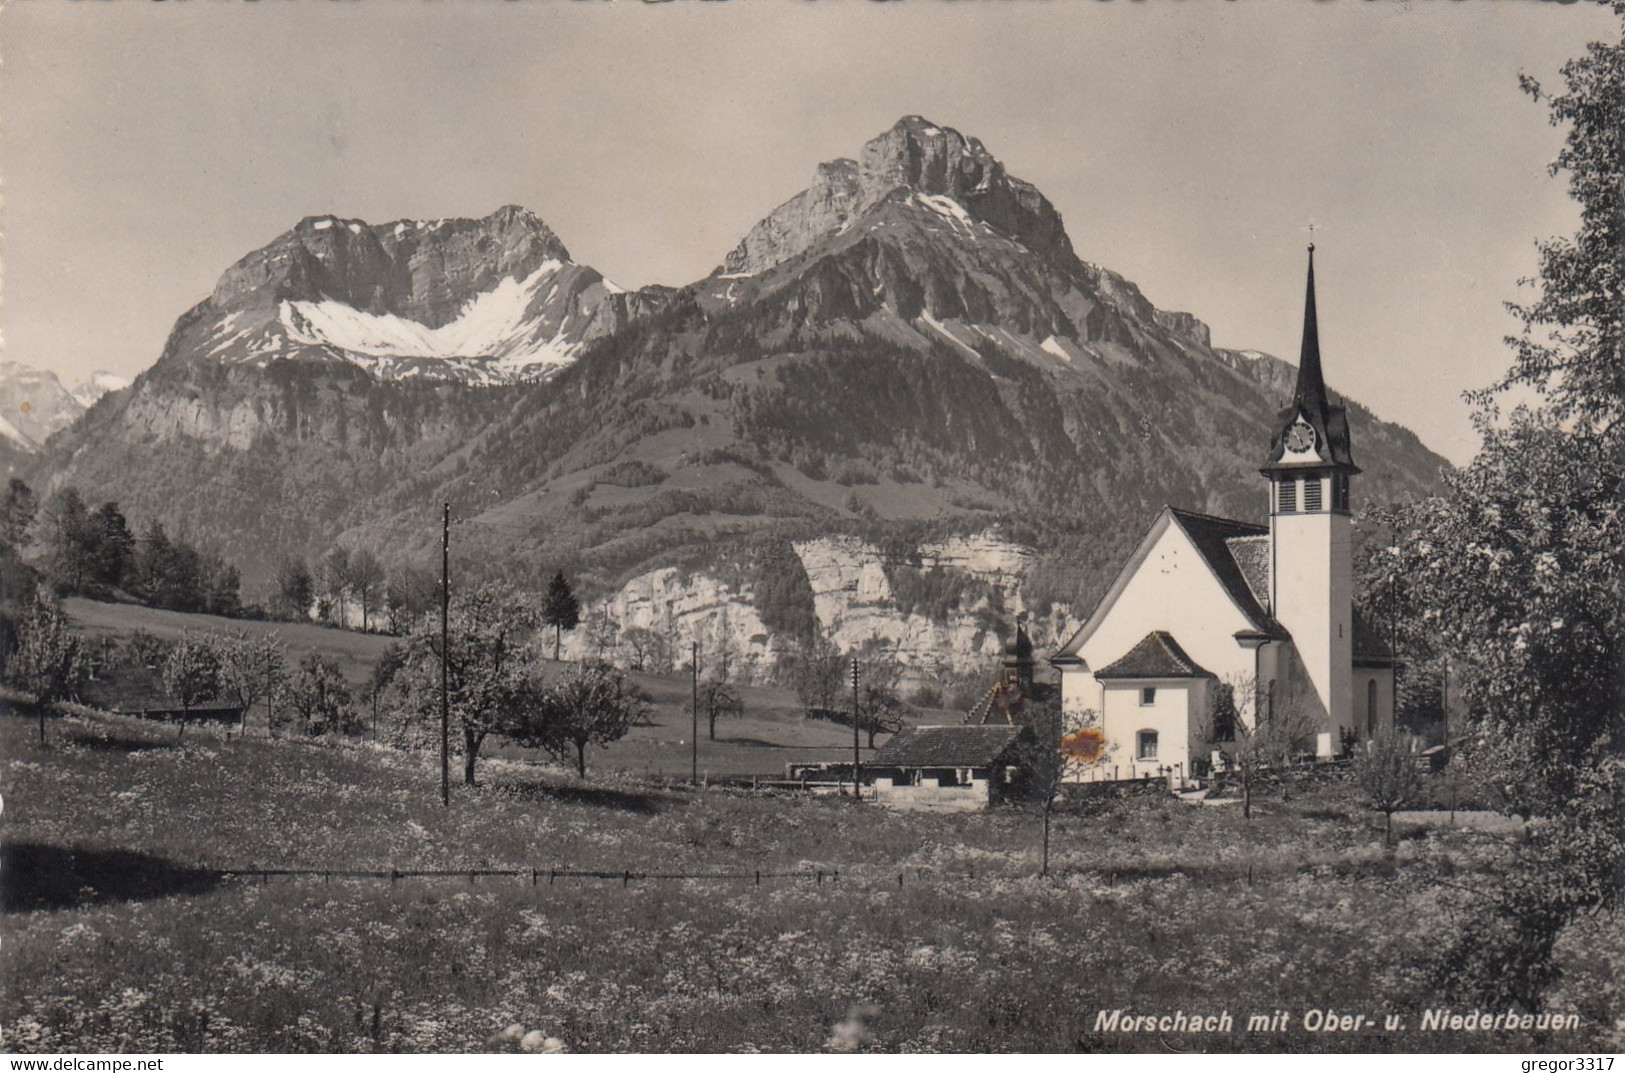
<point>120,932</point>
<point>771,734</point>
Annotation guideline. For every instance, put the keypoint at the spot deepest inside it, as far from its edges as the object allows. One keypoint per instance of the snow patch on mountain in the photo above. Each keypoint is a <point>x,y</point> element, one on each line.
<point>492,324</point>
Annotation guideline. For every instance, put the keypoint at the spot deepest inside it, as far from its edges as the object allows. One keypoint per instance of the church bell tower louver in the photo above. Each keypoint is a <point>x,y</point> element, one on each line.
<point>1310,470</point>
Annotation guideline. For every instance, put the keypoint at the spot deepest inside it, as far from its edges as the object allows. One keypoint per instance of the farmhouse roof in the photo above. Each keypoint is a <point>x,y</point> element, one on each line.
<point>1157,655</point>
<point>947,746</point>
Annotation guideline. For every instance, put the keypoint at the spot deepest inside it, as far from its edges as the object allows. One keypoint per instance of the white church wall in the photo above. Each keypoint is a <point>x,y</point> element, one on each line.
<point>1373,684</point>
<point>1169,716</point>
<point>1313,599</point>
<point>1173,590</point>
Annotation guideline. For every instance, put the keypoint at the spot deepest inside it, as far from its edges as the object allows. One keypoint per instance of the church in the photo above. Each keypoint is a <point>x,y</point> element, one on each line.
<point>1212,619</point>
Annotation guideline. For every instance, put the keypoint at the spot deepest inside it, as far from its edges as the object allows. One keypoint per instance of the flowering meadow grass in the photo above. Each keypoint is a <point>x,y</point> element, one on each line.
<point>119,935</point>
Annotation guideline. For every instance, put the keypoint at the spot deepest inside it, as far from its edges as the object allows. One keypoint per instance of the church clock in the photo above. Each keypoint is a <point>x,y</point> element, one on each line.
<point>1300,437</point>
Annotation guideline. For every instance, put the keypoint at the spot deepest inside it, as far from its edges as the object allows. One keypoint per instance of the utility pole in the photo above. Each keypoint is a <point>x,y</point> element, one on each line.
<point>857,791</point>
<point>445,656</point>
<point>694,738</point>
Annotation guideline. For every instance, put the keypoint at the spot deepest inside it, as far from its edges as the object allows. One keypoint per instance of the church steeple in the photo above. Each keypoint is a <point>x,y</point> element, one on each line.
<point>1311,391</point>
<point>1312,431</point>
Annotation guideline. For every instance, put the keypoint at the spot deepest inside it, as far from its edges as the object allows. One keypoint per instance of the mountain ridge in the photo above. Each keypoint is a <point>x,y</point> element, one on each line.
<point>916,353</point>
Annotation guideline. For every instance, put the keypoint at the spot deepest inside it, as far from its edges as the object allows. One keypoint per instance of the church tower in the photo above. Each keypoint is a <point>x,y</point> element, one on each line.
<point>1311,532</point>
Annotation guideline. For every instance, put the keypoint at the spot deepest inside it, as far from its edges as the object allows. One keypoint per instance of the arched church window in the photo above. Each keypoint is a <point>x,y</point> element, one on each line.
<point>1269,701</point>
<point>1371,707</point>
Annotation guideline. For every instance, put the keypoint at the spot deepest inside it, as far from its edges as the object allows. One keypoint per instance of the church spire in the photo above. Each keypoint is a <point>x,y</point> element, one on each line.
<point>1312,430</point>
<point>1311,391</point>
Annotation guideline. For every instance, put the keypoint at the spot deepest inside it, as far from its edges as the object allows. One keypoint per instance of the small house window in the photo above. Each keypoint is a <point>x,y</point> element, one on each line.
<point>1311,494</point>
<point>1146,745</point>
<point>1148,696</point>
<point>1286,496</point>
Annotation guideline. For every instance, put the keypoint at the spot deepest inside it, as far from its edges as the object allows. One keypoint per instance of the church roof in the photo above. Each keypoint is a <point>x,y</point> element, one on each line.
<point>1311,399</point>
<point>947,746</point>
<point>1157,655</point>
<point>1238,554</point>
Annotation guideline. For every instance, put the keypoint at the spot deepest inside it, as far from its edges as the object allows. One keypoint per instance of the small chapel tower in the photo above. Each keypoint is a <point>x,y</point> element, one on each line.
<point>1311,582</point>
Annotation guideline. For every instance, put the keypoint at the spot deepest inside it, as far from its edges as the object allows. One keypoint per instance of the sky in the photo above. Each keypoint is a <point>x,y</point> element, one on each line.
<point>145,147</point>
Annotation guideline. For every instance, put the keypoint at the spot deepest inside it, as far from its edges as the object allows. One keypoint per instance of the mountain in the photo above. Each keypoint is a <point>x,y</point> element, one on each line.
<point>34,405</point>
<point>902,408</point>
<point>489,301</point>
<point>88,392</point>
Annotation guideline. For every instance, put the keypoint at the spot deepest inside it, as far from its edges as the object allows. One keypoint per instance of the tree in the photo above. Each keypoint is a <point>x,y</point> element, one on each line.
<point>646,649</point>
<point>70,544</point>
<point>49,662</point>
<point>603,634</point>
<point>719,699</point>
<point>154,565</point>
<point>817,673</point>
<point>560,609</point>
<point>1385,771</point>
<point>881,708</point>
<point>1524,551</point>
<point>592,703</point>
<point>17,513</point>
<point>252,670</point>
<point>321,698</point>
<point>192,671</point>
<point>1056,749</point>
<point>490,667</point>
<point>411,592</point>
<point>295,589</point>
<point>1261,732</point>
<point>389,665</point>
<point>366,576</point>
<point>335,585</point>
<point>111,549</point>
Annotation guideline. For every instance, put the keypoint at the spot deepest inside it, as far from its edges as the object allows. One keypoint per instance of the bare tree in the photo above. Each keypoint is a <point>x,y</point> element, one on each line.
<point>1386,773</point>
<point>882,709</point>
<point>603,633</point>
<point>646,649</point>
<point>1057,749</point>
<point>366,578</point>
<point>817,673</point>
<point>1259,736</point>
<point>335,584</point>
<point>719,699</point>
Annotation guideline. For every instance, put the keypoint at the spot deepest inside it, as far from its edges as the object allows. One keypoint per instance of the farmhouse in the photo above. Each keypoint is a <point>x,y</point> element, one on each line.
<point>947,768</point>
<point>1212,620</point>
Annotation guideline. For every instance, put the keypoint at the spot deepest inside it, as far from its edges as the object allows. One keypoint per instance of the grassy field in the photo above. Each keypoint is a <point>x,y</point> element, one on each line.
<point>771,734</point>
<point>120,935</point>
